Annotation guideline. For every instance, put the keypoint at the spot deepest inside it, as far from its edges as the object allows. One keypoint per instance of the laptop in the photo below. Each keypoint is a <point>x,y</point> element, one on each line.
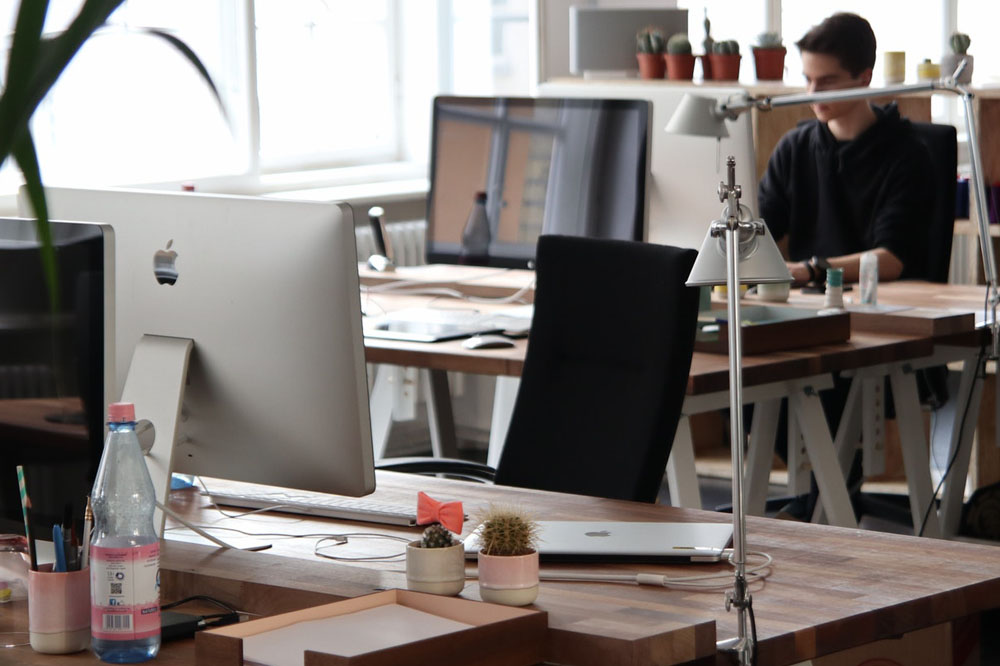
<point>438,325</point>
<point>623,541</point>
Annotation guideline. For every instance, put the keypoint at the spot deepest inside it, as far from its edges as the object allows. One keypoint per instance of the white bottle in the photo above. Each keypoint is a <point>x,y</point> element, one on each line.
<point>868,279</point>
<point>124,549</point>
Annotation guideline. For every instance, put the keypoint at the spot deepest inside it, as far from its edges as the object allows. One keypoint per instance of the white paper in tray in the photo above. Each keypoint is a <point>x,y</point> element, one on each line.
<point>346,635</point>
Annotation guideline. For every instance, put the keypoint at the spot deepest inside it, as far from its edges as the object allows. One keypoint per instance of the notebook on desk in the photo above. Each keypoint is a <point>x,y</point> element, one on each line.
<point>623,541</point>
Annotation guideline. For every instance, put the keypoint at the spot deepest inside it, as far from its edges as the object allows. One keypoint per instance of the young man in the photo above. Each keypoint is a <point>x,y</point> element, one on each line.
<point>854,179</point>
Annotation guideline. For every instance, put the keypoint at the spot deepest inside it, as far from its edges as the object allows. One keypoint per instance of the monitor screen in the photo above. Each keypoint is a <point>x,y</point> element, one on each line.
<point>522,167</point>
<point>52,369</point>
<point>268,290</point>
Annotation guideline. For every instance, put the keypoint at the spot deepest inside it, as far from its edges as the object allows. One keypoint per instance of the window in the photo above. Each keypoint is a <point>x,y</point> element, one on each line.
<point>314,84</point>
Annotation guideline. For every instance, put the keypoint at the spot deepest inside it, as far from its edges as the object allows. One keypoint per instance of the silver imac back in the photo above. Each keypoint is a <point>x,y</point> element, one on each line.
<point>267,289</point>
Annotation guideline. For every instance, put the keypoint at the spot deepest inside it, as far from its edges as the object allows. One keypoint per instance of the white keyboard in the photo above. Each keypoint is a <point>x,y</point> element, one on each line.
<point>325,506</point>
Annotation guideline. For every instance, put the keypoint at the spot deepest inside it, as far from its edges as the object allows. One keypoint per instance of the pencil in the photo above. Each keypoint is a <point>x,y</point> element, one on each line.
<point>26,510</point>
<point>88,522</point>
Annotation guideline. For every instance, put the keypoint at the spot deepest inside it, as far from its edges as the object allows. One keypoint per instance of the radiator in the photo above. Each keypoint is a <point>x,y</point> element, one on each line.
<point>406,241</point>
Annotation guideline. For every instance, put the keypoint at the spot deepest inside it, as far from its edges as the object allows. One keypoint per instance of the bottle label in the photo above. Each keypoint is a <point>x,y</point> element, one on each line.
<point>125,592</point>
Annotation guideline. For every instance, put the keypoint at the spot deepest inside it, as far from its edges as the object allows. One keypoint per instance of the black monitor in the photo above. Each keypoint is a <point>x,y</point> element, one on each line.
<point>575,167</point>
<point>53,378</point>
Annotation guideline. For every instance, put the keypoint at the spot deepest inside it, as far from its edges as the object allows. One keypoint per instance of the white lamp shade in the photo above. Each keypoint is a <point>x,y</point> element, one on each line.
<point>760,261</point>
<point>697,116</point>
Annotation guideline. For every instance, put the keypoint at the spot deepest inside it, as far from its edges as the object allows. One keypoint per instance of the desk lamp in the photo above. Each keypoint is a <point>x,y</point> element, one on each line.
<point>700,116</point>
<point>748,242</point>
<point>737,249</point>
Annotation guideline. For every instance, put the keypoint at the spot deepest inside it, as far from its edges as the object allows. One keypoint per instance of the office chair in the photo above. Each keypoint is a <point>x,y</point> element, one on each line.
<point>932,383</point>
<point>605,372</point>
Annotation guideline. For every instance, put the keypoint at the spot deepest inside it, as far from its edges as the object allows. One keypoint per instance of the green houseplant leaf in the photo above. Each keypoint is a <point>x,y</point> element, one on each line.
<point>34,66</point>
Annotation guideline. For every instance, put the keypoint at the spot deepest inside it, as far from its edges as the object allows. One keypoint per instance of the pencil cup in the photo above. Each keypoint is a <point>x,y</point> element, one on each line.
<point>58,610</point>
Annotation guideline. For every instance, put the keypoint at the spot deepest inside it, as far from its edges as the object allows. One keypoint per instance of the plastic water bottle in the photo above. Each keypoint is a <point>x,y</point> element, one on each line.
<point>124,550</point>
<point>868,279</point>
<point>476,235</point>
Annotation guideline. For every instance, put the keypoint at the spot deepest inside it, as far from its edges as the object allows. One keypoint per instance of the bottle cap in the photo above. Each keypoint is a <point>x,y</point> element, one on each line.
<point>481,196</point>
<point>835,277</point>
<point>121,412</point>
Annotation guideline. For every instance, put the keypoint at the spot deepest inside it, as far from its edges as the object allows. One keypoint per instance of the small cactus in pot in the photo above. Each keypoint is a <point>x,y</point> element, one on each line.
<point>680,61</point>
<point>769,57</point>
<point>725,60</point>
<point>508,556</point>
<point>959,42</point>
<point>649,47</point>
<point>435,563</point>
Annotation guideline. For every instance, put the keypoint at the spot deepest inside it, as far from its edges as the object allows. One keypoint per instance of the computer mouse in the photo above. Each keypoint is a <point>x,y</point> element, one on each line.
<point>487,341</point>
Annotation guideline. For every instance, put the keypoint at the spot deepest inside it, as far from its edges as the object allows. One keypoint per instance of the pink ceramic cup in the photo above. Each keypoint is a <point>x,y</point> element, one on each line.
<point>58,610</point>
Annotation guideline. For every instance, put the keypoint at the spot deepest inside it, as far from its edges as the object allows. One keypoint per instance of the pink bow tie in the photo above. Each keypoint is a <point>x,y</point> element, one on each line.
<point>449,514</point>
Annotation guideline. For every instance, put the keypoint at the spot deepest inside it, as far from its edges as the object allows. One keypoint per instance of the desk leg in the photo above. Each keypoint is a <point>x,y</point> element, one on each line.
<point>504,395</point>
<point>761,454</point>
<point>968,397</point>
<point>916,461</point>
<point>682,476</point>
<point>444,443</point>
<point>380,404</point>
<point>805,406</point>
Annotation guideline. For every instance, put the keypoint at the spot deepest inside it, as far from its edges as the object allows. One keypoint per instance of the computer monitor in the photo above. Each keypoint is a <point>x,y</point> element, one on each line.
<point>276,390</point>
<point>54,382</point>
<point>558,166</point>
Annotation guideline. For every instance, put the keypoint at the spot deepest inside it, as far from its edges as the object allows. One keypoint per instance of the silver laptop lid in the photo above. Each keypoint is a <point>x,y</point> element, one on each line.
<point>625,541</point>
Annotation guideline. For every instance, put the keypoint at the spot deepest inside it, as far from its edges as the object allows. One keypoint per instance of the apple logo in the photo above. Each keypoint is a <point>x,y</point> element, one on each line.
<point>164,265</point>
<point>599,533</point>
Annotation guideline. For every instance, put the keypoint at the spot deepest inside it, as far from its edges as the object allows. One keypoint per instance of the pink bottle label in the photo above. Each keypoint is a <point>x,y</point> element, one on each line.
<point>125,592</point>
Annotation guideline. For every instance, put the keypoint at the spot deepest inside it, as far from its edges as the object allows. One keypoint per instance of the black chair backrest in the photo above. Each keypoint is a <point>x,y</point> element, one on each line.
<point>942,144</point>
<point>606,369</point>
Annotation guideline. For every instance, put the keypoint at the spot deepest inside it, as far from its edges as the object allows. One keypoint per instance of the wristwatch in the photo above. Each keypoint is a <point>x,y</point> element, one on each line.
<point>817,269</point>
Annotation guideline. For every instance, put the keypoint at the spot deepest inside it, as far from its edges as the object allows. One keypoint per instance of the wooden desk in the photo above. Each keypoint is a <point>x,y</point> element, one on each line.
<point>830,588</point>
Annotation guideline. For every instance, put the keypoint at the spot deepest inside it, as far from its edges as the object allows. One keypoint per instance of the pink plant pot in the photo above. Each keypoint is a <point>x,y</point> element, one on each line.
<point>508,579</point>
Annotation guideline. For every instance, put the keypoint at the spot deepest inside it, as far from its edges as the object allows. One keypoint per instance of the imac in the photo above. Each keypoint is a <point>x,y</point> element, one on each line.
<point>56,368</point>
<point>538,165</point>
<point>276,389</point>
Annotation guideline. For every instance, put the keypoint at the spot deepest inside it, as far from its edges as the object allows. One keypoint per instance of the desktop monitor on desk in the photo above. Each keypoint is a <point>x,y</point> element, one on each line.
<point>276,389</point>
<point>54,382</point>
<point>575,167</point>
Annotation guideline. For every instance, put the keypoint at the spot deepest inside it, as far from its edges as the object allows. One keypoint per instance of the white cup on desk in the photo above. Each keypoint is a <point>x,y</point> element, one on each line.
<point>777,292</point>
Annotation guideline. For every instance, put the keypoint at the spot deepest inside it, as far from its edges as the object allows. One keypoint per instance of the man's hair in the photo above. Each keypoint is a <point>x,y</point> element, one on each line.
<point>847,37</point>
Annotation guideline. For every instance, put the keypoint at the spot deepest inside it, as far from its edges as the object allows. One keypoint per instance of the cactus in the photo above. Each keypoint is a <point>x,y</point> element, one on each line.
<point>959,42</point>
<point>708,42</point>
<point>678,44</point>
<point>769,40</point>
<point>649,40</point>
<point>507,531</point>
<point>727,47</point>
<point>437,536</point>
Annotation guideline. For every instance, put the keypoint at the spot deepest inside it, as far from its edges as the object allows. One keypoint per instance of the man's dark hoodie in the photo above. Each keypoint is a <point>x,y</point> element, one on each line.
<point>840,197</point>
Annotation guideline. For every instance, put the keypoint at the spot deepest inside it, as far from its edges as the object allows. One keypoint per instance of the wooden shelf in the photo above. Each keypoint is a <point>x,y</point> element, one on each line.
<point>970,228</point>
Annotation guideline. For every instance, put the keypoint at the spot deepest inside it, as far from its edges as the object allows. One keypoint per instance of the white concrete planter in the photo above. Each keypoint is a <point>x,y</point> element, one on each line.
<point>435,570</point>
<point>949,61</point>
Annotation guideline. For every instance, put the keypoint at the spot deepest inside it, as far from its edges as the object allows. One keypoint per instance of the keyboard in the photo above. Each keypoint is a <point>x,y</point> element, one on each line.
<point>325,506</point>
<point>513,320</point>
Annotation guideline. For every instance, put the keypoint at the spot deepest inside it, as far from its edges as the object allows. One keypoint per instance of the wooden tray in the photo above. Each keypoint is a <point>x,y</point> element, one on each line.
<point>911,321</point>
<point>768,328</point>
<point>513,636</point>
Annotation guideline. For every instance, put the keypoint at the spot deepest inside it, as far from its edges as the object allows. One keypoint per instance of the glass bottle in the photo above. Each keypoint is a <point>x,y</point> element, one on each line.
<point>476,235</point>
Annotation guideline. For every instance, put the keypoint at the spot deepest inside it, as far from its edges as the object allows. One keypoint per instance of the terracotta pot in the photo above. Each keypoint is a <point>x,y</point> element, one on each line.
<point>680,67</point>
<point>508,579</point>
<point>725,67</point>
<point>769,63</point>
<point>706,67</point>
<point>435,570</point>
<point>651,65</point>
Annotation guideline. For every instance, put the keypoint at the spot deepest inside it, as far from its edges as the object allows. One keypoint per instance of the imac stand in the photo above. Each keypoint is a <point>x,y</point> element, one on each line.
<point>155,384</point>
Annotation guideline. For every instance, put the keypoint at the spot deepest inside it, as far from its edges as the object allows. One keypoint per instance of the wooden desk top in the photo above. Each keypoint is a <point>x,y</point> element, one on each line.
<point>830,588</point>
